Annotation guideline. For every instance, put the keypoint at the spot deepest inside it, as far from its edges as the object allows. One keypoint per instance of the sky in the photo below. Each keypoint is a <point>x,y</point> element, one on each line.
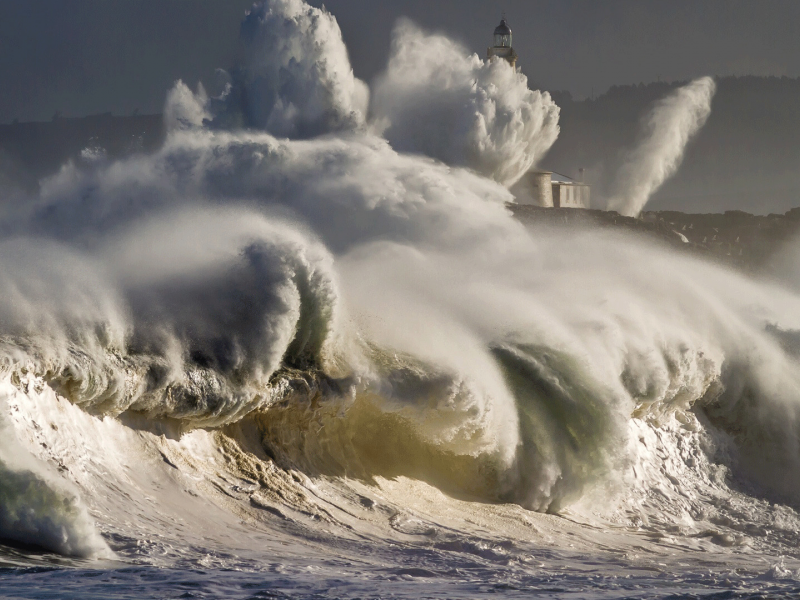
<point>81,57</point>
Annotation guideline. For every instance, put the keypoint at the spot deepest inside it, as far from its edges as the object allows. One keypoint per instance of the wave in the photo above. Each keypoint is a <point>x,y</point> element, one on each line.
<point>332,307</point>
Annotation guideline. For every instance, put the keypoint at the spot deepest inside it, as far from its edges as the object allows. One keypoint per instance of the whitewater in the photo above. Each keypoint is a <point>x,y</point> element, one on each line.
<point>304,350</point>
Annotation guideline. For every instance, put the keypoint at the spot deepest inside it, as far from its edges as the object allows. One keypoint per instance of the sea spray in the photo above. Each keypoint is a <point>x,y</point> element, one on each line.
<point>668,128</point>
<point>295,79</point>
<point>436,270</point>
<point>436,99</point>
<point>185,109</point>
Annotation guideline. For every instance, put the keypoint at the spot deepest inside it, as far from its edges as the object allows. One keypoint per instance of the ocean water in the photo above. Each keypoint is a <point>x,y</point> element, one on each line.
<point>305,351</point>
<point>208,515</point>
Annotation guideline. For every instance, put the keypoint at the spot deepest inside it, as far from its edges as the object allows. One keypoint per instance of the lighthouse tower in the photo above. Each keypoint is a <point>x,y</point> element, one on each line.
<point>502,44</point>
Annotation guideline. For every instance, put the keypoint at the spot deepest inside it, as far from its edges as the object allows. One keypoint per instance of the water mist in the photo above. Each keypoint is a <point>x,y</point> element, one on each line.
<point>668,128</point>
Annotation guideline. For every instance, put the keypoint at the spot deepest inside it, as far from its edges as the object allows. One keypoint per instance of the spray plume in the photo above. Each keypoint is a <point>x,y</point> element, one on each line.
<point>295,79</point>
<point>185,109</point>
<point>670,126</point>
<point>437,100</point>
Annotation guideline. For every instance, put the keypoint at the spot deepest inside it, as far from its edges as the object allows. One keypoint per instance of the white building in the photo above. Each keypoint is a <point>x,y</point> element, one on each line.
<point>551,190</point>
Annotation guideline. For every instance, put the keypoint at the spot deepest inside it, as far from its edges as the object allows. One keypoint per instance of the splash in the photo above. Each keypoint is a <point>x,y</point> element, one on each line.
<point>437,100</point>
<point>295,78</point>
<point>38,508</point>
<point>669,127</point>
<point>185,109</point>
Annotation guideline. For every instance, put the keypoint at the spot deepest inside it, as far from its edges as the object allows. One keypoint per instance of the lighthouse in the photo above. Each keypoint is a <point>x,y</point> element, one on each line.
<point>502,44</point>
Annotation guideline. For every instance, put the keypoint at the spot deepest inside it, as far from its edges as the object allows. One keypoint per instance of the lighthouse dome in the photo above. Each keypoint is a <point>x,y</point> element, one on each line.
<point>502,35</point>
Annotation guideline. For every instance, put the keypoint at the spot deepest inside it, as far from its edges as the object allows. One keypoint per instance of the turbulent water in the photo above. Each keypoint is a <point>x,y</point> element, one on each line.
<point>304,350</point>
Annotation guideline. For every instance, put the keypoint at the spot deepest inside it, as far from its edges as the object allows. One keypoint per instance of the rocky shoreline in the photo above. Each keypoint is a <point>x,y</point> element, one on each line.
<point>735,238</point>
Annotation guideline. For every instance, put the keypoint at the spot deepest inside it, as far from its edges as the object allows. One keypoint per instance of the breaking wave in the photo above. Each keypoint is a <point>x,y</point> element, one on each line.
<point>287,282</point>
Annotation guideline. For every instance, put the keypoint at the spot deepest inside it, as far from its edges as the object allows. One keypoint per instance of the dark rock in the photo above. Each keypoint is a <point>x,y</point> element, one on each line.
<point>735,238</point>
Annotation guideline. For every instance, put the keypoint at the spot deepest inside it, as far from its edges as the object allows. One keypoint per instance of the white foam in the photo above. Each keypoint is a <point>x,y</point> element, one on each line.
<point>436,99</point>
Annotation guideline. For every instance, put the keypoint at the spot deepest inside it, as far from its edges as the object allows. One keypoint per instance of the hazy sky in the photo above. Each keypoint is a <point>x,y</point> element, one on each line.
<point>89,56</point>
